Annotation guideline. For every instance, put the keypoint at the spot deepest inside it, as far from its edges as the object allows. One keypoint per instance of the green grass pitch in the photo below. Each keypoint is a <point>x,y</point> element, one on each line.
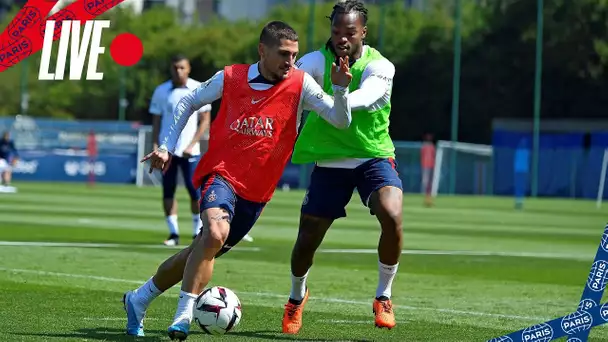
<point>473,268</point>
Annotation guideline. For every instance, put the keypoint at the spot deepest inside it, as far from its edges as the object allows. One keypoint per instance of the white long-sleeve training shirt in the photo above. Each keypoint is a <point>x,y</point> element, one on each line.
<point>164,100</point>
<point>336,110</point>
<point>374,91</point>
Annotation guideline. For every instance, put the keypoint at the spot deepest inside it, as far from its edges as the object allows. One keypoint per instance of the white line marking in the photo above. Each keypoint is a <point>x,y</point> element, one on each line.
<point>284,296</point>
<point>115,319</point>
<point>346,321</point>
<point>70,275</point>
<point>105,245</point>
<point>333,321</point>
<point>338,251</point>
<point>465,253</point>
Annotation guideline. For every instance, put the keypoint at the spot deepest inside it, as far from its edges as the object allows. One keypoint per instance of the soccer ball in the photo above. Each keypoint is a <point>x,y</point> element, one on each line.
<point>217,310</point>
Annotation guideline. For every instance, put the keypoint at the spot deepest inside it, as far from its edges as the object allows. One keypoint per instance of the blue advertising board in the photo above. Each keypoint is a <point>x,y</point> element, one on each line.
<point>62,167</point>
<point>54,150</point>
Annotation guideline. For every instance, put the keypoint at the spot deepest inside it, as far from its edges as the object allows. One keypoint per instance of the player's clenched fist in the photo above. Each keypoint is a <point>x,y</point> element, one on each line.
<point>159,159</point>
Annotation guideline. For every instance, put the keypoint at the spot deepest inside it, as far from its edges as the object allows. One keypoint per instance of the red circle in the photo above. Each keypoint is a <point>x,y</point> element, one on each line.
<point>126,49</point>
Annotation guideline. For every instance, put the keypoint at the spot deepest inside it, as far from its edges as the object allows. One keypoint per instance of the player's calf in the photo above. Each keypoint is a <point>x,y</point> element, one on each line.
<point>137,301</point>
<point>387,205</point>
<point>199,268</point>
<point>310,235</point>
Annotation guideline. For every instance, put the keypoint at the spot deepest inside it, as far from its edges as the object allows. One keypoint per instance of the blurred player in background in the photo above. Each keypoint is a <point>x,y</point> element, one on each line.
<point>8,159</point>
<point>360,157</point>
<point>187,152</point>
<point>251,141</point>
<point>521,167</point>
<point>427,162</point>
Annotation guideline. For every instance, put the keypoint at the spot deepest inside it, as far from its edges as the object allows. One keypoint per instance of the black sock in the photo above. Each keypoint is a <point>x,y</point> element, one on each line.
<point>295,302</point>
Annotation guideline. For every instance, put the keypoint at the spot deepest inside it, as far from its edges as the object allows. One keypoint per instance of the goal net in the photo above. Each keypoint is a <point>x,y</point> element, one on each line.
<point>472,170</point>
<point>407,154</point>
<point>144,146</point>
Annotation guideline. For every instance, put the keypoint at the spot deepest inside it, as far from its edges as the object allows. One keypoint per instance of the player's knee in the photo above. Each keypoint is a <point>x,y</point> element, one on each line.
<point>391,219</point>
<point>216,235</point>
<point>215,228</point>
<point>389,209</point>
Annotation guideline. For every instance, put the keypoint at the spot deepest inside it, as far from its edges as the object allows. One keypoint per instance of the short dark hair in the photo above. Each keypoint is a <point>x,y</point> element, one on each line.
<point>349,6</point>
<point>178,58</point>
<point>276,30</point>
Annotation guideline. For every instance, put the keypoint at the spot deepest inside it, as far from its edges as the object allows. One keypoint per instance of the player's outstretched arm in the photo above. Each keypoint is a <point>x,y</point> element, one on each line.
<point>336,111</point>
<point>204,94</point>
<point>376,81</point>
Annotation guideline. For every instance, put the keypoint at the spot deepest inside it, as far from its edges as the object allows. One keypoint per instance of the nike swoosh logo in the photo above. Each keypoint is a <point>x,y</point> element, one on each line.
<point>254,101</point>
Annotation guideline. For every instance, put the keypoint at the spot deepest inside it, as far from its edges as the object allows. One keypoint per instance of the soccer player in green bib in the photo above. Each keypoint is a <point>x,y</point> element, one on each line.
<point>360,157</point>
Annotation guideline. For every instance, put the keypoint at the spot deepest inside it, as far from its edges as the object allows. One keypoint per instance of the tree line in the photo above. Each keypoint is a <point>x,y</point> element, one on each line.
<point>497,75</point>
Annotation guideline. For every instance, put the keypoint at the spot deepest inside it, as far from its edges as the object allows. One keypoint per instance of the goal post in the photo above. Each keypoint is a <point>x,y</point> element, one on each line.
<point>144,144</point>
<point>474,168</point>
<point>602,182</point>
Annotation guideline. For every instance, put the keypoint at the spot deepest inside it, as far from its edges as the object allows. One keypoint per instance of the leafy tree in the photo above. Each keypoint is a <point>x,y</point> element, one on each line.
<point>498,62</point>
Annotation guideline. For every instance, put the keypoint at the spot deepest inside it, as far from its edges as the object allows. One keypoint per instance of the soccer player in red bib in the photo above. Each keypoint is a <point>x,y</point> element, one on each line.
<point>251,141</point>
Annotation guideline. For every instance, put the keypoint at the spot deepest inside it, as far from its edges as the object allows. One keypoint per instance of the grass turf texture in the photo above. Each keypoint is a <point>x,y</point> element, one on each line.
<point>473,268</point>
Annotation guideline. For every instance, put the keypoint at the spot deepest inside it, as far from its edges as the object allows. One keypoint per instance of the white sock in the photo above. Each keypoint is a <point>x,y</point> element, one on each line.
<point>386,274</point>
<point>172,223</point>
<point>185,307</point>
<point>146,293</point>
<point>196,223</point>
<point>298,287</point>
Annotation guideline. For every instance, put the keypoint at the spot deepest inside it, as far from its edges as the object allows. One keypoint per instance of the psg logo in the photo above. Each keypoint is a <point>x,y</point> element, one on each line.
<point>598,275</point>
<point>604,312</point>
<point>59,17</point>
<point>605,240</point>
<point>28,17</point>
<point>587,304</point>
<point>12,54</point>
<point>538,333</point>
<point>502,339</point>
<point>96,7</point>
<point>576,322</point>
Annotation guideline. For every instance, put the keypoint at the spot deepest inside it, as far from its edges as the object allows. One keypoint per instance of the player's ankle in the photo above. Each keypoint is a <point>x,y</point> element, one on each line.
<point>185,308</point>
<point>295,301</point>
<point>298,287</point>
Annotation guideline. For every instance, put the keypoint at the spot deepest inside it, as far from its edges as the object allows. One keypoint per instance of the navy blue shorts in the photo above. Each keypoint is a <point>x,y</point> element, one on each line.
<point>331,189</point>
<point>170,177</point>
<point>216,192</point>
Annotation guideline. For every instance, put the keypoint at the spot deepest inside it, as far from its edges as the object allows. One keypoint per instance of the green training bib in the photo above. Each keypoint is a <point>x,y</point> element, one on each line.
<point>367,136</point>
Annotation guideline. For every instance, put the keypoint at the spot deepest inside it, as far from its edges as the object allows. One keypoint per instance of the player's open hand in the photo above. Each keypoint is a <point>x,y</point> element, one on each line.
<point>159,159</point>
<point>341,76</point>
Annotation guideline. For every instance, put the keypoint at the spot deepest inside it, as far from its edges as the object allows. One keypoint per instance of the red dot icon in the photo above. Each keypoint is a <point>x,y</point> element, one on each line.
<point>126,49</point>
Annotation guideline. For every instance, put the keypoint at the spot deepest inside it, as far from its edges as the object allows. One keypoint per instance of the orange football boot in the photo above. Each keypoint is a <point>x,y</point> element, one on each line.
<point>385,317</point>
<point>292,318</point>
